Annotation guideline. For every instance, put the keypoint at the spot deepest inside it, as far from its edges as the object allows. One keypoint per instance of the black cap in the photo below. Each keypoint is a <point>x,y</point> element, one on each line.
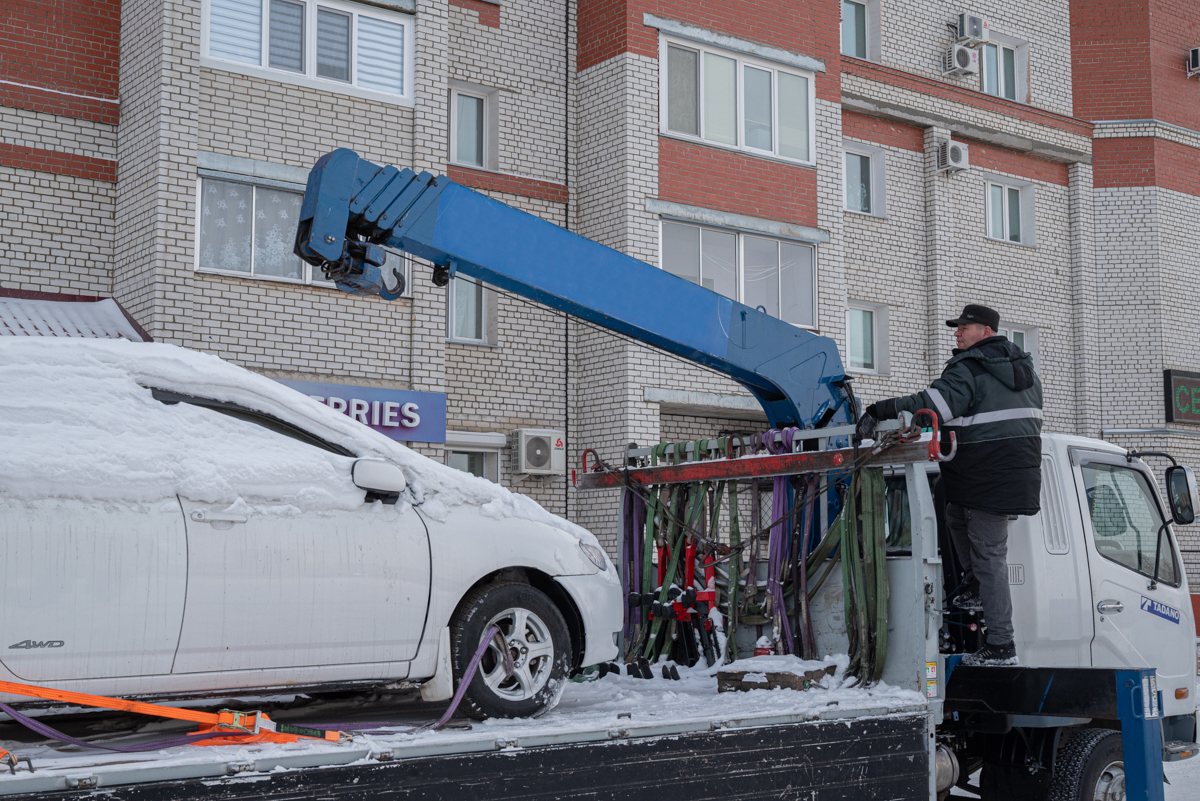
<point>973,313</point>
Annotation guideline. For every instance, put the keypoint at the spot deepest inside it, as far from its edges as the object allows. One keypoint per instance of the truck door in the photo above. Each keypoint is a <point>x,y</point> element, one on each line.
<point>1138,622</point>
<point>90,589</point>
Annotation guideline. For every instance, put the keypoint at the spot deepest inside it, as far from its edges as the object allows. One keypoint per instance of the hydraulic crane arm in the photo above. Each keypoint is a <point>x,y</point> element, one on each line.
<point>353,207</point>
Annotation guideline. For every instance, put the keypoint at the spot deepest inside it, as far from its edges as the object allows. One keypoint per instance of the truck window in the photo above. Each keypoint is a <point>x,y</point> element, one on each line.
<point>1126,520</point>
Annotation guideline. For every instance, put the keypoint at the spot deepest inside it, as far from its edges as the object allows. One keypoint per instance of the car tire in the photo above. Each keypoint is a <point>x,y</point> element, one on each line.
<point>539,643</point>
<point>1090,767</point>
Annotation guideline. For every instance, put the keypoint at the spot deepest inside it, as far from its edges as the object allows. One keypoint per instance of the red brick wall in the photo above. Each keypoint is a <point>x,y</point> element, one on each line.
<point>728,181</point>
<point>512,184</point>
<point>1110,49</point>
<point>61,56</point>
<point>882,132</point>
<point>489,13</point>
<point>1007,161</point>
<point>32,158</point>
<point>968,97</point>
<point>807,27</point>
<point>1146,161</point>
<point>1174,30</point>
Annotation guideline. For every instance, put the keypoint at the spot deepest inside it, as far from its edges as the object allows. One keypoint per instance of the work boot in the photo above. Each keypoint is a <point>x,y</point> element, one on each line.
<point>993,656</point>
<point>968,600</point>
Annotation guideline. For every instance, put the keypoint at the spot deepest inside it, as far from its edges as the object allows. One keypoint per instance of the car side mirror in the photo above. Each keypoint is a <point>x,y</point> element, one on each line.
<point>1181,492</point>
<point>380,479</point>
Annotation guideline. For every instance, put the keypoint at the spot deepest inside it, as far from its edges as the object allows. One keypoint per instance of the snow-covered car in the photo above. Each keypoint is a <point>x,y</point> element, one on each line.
<point>174,525</point>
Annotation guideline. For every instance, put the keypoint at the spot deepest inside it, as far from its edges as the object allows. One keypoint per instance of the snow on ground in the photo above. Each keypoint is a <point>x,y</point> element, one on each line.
<point>614,702</point>
<point>77,420</point>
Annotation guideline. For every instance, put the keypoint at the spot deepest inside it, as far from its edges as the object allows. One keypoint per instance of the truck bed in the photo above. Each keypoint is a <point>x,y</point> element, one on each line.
<point>610,738</point>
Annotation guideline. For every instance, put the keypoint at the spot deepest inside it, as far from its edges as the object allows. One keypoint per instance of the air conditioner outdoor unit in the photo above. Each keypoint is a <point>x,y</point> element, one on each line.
<point>972,29</point>
<point>960,60</point>
<point>1193,64</point>
<point>952,157</point>
<point>539,452</point>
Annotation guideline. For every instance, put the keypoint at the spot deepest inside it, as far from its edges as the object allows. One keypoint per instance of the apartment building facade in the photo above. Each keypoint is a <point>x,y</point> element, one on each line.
<point>789,155</point>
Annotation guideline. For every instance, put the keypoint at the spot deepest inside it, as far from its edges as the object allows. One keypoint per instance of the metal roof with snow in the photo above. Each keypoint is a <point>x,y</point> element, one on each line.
<point>42,314</point>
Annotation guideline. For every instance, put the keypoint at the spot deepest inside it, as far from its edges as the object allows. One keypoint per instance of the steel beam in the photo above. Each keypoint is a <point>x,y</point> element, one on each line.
<point>748,467</point>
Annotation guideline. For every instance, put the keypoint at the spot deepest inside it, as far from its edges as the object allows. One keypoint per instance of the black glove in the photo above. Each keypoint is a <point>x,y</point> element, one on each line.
<point>866,425</point>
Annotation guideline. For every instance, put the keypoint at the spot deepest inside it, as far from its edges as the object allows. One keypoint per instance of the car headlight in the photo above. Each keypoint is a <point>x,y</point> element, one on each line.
<point>594,555</point>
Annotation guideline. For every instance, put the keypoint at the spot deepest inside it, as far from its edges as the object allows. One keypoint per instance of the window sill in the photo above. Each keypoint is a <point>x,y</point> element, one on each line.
<point>279,76</point>
<point>871,214</point>
<point>754,154</point>
<point>474,342</point>
<point>995,241</point>
<point>868,373</point>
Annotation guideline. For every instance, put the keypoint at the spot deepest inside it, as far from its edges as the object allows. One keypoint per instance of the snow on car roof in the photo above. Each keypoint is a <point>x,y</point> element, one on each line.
<point>78,420</point>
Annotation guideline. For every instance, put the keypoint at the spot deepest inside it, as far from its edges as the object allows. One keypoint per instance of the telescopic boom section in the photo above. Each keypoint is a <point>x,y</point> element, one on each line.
<point>353,207</point>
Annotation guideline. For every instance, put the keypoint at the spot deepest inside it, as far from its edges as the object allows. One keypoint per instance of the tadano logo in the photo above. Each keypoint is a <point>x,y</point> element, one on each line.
<point>28,644</point>
<point>1162,610</point>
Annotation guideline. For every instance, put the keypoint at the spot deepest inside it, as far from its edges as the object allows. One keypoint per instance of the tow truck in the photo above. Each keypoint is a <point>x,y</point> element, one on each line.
<point>1104,694</point>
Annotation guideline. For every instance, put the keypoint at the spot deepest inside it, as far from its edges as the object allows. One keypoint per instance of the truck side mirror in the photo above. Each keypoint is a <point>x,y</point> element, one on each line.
<point>1181,492</point>
<point>379,478</point>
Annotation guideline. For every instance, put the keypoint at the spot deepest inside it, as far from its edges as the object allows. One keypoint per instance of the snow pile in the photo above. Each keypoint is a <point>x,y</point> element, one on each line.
<point>77,420</point>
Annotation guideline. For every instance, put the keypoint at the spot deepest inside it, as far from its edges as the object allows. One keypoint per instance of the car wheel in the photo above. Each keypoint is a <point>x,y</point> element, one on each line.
<point>537,639</point>
<point>1090,767</point>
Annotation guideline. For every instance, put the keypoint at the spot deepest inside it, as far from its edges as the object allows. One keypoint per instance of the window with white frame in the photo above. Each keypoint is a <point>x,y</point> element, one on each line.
<point>332,44</point>
<point>733,101</point>
<point>249,230</point>
<point>864,178</point>
<point>468,310</point>
<point>866,337</point>
<point>1010,212</point>
<point>474,126</point>
<point>1004,67</point>
<point>777,274</point>
<point>478,463</point>
<point>854,29</point>
<point>1024,337</point>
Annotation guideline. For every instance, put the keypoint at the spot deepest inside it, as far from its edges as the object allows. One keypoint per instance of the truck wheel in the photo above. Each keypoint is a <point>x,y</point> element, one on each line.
<point>537,639</point>
<point>1090,767</point>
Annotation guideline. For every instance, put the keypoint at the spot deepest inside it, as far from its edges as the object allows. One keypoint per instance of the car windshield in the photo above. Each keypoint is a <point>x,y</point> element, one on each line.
<point>1126,522</point>
<point>249,415</point>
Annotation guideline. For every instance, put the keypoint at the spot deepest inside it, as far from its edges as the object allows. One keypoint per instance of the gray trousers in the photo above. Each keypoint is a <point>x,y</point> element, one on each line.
<point>981,540</point>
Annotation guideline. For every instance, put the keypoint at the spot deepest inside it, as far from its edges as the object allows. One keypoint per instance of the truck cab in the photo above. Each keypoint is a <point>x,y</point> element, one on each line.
<point>1082,571</point>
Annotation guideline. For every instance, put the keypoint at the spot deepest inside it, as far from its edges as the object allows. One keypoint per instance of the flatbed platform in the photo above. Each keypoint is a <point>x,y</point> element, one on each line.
<point>611,738</point>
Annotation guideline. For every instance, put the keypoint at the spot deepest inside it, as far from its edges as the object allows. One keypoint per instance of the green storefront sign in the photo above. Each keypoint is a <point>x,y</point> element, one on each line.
<point>1183,396</point>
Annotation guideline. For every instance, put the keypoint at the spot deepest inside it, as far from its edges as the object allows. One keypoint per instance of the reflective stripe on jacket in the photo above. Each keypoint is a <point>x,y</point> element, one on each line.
<point>991,398</point>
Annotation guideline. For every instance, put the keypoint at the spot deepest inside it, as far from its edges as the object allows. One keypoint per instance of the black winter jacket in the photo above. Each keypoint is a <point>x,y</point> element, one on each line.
<point>991,398</point>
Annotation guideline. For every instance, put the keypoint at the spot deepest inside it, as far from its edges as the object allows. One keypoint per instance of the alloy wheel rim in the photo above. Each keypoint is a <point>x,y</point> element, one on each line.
<point>532,649</point>
<point>1110,786</point>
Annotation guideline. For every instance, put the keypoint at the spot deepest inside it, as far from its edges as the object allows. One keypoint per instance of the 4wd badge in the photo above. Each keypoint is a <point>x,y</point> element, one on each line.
<point>28,644</point>
<point>1162,610</point>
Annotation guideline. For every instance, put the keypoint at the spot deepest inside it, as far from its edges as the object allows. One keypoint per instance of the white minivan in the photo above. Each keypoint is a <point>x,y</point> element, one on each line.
<point>174,525</point>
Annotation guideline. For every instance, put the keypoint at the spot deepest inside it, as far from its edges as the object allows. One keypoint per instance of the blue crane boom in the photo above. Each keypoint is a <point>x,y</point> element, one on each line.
<point>353,208</point>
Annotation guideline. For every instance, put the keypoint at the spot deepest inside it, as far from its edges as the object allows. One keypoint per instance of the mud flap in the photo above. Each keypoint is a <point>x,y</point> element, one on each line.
<point>441,686</point>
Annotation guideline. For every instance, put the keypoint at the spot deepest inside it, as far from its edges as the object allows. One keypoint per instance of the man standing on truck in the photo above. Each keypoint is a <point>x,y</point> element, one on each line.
<point>991,398</point>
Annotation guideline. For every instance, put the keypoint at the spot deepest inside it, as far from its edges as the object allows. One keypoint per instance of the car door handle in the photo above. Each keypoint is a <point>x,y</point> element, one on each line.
<point>1110,607</point>
<point>205,516</point>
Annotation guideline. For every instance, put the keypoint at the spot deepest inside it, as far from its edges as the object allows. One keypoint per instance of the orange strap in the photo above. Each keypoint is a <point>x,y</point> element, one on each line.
<point>239,721</point>
<point>83,699</point>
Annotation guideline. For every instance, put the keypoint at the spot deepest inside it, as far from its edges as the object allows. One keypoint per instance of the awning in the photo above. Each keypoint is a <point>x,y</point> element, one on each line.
<point>49,315</point>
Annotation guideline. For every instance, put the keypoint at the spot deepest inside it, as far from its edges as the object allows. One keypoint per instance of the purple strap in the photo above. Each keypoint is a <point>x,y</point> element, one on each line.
<point>54,734</point>
<point>468,675</point>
